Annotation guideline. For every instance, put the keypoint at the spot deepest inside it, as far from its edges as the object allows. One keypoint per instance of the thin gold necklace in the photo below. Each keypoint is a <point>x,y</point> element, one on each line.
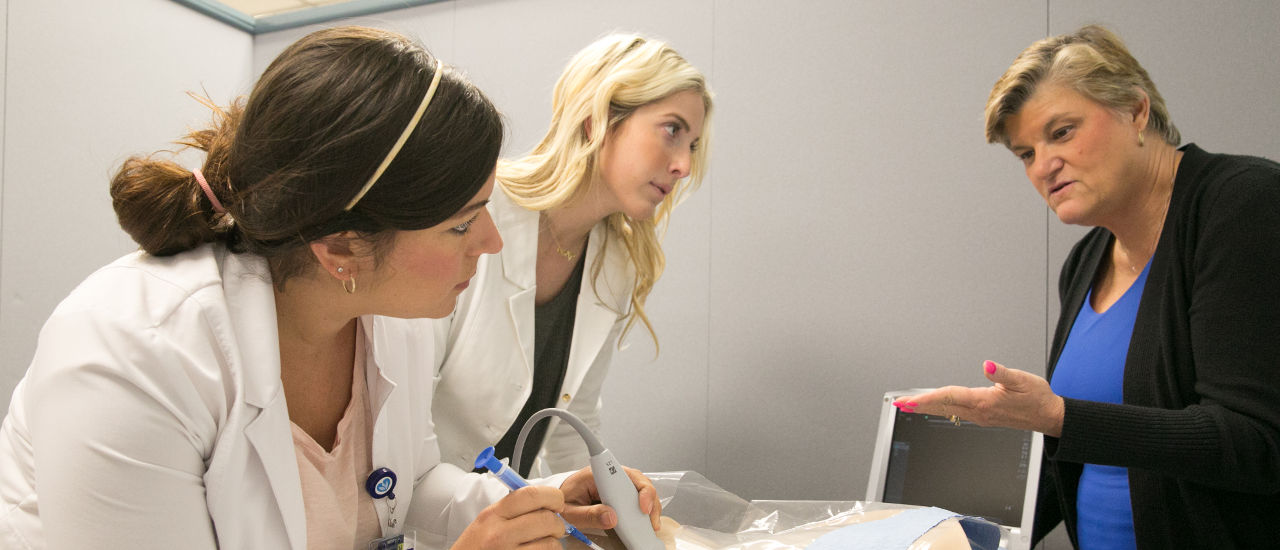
<point>569,255</point>
<point>1168,203</point>
<point>1156,243</point>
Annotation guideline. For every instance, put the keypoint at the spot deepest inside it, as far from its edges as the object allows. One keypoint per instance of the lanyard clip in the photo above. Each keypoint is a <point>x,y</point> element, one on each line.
<point>381,483</point>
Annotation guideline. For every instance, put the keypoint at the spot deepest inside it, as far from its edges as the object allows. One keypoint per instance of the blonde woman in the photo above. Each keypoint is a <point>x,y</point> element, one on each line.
<point>581,217</point>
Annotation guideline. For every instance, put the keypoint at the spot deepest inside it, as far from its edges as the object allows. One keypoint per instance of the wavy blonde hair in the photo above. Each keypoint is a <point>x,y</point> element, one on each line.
<point>601,86</point>
<point>1095,63</point>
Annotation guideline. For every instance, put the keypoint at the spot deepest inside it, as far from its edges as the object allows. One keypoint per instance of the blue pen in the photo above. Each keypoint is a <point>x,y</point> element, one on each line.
<point>513,481</point>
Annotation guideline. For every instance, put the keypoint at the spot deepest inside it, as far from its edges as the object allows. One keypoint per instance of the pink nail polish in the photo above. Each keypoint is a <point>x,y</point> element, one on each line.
<point>913,404</point>
<point>907,410</point>
<point>990,366</point>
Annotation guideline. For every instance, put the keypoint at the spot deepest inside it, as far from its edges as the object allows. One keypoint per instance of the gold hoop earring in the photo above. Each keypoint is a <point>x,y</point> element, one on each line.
<point>350,288</point>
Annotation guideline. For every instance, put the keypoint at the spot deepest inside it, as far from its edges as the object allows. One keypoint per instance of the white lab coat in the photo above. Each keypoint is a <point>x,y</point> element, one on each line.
<point>487,370</point>
<point>153,416</point>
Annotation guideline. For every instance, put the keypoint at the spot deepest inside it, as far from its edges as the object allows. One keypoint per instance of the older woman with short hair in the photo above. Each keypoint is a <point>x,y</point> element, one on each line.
<point>1160,405</point>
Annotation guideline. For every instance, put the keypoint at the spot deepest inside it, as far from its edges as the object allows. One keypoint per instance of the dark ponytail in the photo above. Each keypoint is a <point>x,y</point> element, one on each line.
<point>319,121</point>
<point>160,204</point>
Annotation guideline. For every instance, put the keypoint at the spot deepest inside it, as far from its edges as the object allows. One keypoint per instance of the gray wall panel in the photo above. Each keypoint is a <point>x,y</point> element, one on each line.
<point>8,374</point>
<point>865,238</point>
<point>88,84</point>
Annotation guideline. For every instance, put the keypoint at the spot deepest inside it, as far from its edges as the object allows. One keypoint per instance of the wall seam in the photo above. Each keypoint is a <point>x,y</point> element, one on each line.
<point>1049,286</point>
<point>711,207</point>
<point>4,118</point>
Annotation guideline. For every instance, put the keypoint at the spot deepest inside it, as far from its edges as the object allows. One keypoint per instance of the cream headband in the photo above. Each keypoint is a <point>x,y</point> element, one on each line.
<point>404,136</point>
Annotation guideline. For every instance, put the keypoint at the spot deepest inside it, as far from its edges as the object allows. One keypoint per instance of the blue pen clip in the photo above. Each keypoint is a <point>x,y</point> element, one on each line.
<point>513,481</point>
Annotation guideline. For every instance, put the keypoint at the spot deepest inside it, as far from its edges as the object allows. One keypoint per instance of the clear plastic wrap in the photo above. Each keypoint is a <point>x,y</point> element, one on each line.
<point>700,515</point>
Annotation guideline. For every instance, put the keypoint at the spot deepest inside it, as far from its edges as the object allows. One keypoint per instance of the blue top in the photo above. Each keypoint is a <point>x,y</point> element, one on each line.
<point>1091,367</point>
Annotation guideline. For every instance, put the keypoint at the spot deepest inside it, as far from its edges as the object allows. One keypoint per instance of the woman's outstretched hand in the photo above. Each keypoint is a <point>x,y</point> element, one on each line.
<point>1016,399</point>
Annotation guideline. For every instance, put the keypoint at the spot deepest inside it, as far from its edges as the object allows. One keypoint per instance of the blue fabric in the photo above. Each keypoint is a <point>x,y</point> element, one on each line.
<point>1104,515</point>
<point>1091,368</point>
<point>982,534</point>
<point>899,531</point>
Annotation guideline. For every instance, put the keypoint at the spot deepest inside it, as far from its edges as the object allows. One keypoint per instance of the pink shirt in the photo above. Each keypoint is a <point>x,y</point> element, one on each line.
<point>340,513</point>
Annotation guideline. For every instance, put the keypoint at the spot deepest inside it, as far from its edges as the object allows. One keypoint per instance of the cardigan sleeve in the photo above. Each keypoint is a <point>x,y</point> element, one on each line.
<point>1226,431</point>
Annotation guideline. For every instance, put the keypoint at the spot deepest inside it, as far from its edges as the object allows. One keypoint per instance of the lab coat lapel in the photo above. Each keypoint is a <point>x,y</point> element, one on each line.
<point>270,436</point>
<point>251,306</point>
<point>377,355</point>
<point>519,266</point>
<point>598,307</point>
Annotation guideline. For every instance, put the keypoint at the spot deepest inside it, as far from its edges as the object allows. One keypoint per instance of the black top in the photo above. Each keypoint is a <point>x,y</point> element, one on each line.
<point>552,340</point>
<point>1199,428</point>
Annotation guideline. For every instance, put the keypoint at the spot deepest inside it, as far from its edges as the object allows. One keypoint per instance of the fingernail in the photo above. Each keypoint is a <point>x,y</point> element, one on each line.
<point>908,410</point>
<point>913,404</point>
<point>990,366</point>
<point>609,519</point>
<point>897,404</point>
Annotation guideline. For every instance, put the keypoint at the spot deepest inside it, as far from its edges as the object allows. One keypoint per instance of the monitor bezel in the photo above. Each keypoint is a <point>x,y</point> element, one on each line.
<point>1013,537</point>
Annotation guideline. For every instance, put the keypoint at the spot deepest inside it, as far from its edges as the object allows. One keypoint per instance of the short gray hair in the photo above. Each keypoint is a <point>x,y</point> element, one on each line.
<point>1094,62</point>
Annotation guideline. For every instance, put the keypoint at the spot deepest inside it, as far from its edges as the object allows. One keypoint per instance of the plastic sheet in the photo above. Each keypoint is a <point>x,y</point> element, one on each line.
<point>699,515</point>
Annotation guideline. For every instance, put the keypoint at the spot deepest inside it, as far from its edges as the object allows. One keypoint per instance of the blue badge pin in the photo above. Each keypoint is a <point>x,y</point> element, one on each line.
<point>381,483</point>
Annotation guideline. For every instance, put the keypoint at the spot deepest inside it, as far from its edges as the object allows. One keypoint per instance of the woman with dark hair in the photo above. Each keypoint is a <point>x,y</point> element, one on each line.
<point>1159,408</point>
<point>249,377</point>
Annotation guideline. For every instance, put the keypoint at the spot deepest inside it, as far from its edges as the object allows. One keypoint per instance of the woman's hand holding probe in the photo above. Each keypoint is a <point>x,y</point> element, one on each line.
<point>1017,399</point>
<point>582,501</point>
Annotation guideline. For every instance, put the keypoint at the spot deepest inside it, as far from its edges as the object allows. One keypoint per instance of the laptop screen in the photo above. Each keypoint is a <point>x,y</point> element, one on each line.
<point>926,460</point>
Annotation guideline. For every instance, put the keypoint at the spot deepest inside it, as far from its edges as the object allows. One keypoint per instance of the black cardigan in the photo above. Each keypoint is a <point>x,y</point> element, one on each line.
<point>1199,428</point>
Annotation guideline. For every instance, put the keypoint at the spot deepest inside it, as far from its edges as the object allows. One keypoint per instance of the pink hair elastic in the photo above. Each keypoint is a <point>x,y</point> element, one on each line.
<point>208,193</point>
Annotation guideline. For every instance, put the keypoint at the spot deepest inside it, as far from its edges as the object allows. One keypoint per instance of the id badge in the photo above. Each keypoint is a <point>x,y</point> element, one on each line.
<point>403,541</point>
